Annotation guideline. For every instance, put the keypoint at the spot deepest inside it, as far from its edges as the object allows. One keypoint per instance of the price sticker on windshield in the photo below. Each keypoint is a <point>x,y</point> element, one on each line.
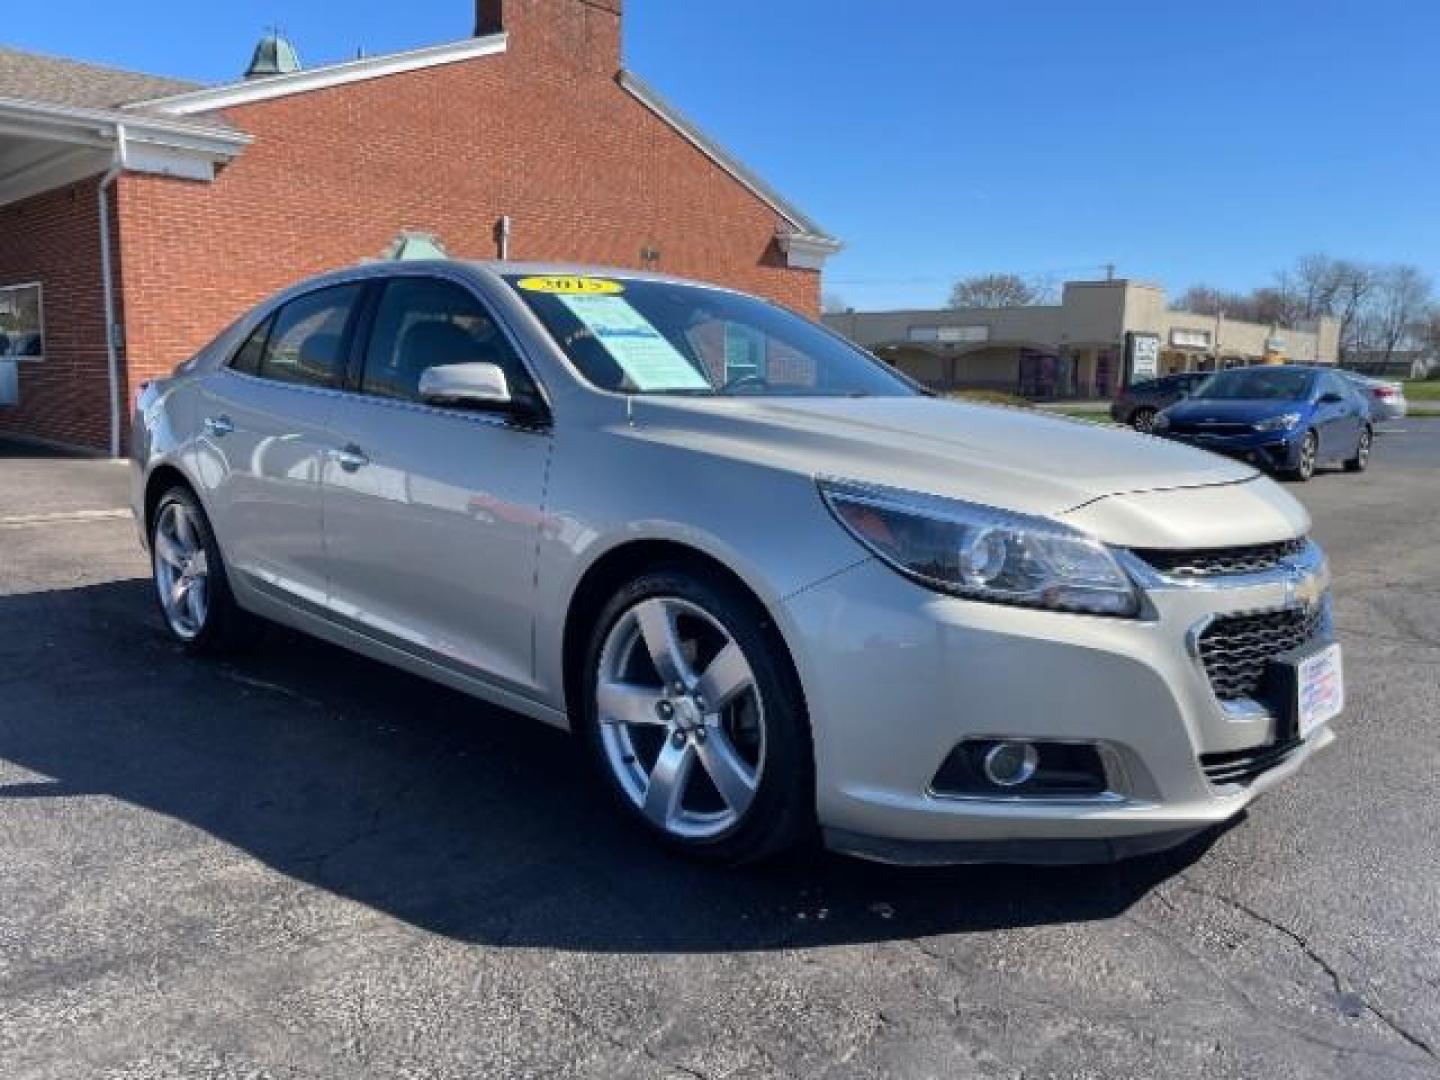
<point>569,285</point>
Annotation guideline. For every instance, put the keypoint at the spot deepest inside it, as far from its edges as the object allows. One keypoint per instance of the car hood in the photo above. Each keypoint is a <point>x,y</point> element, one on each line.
<point>1240,411</point>
<point>1018,459</point>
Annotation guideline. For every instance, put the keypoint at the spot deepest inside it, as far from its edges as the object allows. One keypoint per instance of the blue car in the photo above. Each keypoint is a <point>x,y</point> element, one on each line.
<point>1285,419</point>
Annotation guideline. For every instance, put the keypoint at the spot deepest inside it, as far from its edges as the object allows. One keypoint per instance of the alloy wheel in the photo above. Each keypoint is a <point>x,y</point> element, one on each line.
<point>1362,452</point>
<point>681,719</point>
<point>1143,420</point>
<point>182,570</point>
<point>1309,449</point>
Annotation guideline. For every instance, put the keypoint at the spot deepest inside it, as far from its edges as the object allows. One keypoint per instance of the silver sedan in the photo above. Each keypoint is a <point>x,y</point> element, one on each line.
<point>777,589</point>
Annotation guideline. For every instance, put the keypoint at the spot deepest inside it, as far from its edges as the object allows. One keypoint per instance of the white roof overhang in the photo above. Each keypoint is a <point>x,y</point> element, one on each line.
<point>44,146</point>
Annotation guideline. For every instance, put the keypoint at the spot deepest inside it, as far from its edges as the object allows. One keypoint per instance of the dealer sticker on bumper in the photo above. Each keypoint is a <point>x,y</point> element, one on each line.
<point>1321,686</point>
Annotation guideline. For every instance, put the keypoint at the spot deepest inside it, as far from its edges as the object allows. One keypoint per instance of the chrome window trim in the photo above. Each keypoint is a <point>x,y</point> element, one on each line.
<point>474,416</point>
<point>382,273</point>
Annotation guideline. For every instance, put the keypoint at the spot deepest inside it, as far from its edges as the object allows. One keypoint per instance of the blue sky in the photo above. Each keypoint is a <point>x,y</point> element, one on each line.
<point>1209,141</point>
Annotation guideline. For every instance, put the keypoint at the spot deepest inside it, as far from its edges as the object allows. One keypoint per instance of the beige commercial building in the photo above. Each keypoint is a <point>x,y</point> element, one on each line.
<point>1082,347</point>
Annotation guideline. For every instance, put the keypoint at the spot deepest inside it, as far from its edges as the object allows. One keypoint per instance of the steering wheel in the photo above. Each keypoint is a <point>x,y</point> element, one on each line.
<point>752,379</point>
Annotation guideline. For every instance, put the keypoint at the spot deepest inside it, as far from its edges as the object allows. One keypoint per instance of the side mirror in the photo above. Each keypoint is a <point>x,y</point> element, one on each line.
<point>1331,398</point>
<point>475,386</point>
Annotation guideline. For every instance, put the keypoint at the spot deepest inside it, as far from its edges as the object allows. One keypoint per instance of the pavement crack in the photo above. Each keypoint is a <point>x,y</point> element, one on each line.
<point>1336,979</point>
<point>253,683</point>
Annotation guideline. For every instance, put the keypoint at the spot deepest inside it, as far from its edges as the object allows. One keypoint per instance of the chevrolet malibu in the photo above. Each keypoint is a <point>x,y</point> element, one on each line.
<point>774,587</point>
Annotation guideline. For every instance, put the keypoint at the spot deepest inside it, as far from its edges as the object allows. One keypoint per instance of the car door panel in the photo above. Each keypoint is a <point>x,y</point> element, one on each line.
<point>264,424</point>
<point>263,475</point>
<point>432,523</point>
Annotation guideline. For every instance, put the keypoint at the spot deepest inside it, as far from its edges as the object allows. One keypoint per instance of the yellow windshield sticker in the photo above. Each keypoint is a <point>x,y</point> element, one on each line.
<point>571,286</point>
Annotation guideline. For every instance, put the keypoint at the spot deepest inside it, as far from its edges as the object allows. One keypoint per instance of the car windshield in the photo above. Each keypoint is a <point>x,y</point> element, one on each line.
<point>1257,384</point>
<point>656,337</point>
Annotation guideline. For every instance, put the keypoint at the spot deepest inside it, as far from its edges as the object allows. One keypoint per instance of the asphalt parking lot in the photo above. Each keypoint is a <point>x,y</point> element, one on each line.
<point>305,865</point>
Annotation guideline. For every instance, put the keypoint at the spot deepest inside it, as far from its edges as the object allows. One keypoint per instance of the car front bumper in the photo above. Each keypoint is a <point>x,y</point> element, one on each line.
<point>897,676</point>
<point>1273,451</point>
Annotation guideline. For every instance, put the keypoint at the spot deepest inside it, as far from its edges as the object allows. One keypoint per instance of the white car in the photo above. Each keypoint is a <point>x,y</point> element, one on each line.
<point>775,587</point>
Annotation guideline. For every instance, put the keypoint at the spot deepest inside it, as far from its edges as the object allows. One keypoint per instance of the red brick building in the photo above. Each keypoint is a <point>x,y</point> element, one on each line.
<point>173,207</point>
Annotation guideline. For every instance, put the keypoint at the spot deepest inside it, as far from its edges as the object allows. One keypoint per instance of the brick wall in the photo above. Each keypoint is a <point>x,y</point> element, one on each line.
<point>542,133</point>
<point>54,239</point>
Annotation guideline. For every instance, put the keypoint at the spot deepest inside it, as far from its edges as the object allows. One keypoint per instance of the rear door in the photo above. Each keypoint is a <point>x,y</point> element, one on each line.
<point>264,429</point>
<point>433,515</point>
<point>1337,422</point>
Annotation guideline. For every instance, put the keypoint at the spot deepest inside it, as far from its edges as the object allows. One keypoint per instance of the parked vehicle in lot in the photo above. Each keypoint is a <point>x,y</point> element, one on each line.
<point>1285,418</point>
<point>771,584</point>
<point>1386,399</point>
<point>1139,404</point>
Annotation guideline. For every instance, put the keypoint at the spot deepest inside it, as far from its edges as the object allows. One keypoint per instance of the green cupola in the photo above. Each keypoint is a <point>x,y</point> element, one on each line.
<point>274,55</point>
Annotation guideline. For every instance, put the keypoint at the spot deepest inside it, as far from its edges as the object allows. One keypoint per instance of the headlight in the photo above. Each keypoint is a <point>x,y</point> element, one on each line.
<point>1283,422</point>
<point>983,553</point>
<point>1160,423</point>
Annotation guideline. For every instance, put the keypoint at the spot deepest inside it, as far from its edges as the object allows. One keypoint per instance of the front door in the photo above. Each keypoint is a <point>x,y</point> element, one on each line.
<point>433,515</point>
<point>265,435</point>
<point>1338,422</point>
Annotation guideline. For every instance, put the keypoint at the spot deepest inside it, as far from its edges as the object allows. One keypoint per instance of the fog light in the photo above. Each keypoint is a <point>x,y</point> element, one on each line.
<point>1010,764</point>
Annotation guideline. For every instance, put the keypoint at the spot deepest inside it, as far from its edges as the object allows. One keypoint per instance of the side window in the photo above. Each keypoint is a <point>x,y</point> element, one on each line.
<point>424,322</point>
<point>247,357</point>
<point>307,338</point>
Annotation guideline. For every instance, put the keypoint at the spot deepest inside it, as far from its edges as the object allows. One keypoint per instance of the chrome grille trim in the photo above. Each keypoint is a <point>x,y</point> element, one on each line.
<point>1189,564</point>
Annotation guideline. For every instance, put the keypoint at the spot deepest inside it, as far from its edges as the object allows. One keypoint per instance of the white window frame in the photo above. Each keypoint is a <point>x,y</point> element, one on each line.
<point>39,315</point>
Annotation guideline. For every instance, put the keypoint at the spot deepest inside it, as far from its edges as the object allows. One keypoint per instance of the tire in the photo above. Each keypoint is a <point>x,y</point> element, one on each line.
<point>1361,461</point>
<point>1143,420</point>
<point>735,783</point>
<point>201,616</point>
<point>1309,455</point>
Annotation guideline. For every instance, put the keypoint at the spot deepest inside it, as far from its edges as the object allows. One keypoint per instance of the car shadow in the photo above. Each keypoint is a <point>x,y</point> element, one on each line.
<point>452,816</point>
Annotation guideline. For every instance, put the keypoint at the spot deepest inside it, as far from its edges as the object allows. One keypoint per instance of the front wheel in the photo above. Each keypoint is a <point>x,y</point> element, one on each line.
<point>696,721</point>
<point>1361,461</point>
<point>1309,453</point>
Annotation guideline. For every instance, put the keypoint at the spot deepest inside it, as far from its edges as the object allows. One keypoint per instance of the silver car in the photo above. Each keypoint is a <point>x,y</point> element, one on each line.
<point>777,589</point>
<point>1385,398</point>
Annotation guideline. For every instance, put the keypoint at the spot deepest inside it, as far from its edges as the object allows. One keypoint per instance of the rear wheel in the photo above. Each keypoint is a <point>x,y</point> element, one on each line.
<point>1309,453</point>
<point>1361,461</point>
<point>696,721</point>
<point>1143,420</point>
<point>190,580</point>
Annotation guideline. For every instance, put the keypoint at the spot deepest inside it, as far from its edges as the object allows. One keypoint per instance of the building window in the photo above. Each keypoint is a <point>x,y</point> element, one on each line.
<point>950,335</point>
<point>22,329</point>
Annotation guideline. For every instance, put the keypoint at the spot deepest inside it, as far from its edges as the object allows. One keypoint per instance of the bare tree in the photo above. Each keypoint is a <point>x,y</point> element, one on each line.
<point>1399,298</point>
<point>993,291</point>
<point>1356,282</point>
<point>1316,283</point>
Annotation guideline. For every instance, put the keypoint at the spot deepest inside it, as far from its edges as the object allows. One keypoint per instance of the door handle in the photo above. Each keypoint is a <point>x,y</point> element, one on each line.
<point>351,458</point>
<point>219,425</point>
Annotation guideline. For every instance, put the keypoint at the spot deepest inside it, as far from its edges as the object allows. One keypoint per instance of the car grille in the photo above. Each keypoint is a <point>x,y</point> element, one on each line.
<point>1218,562</point>
<point>1243,766</point>
<point>1236,648</point>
